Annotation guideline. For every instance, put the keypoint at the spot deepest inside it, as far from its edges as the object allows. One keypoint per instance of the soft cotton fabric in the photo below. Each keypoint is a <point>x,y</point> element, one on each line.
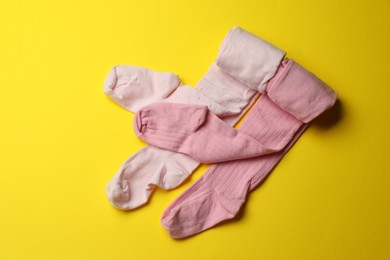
<point>197,132</point>
<point>248,58</point>
<point>220,193</point>
<point>132,86</point>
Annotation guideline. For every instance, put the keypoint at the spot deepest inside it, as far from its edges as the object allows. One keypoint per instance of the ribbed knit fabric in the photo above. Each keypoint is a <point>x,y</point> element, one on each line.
<point>229,98</point>
<point>219,194</point>
<point>197,132</point>
<point>300,92</point>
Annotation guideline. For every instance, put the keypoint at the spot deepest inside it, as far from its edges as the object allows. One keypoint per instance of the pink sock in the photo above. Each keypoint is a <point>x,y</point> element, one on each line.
<point>193,130</point>
<point>219,194</point>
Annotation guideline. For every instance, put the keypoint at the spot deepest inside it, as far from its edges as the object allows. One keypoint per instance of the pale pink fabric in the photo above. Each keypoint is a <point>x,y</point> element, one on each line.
<point>223,93</point>
<point>226,91</point>
<point>197,132</point>
<point>145,170</point>
<point>132,87</point>
<point>219,194</point>
<point>248,58</point>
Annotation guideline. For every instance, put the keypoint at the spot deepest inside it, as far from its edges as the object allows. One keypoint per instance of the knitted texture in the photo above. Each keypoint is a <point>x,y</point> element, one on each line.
<point>197,132</point>
<point>219,194</point>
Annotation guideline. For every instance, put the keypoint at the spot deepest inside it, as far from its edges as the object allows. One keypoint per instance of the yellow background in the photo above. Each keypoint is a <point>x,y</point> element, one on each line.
<point>62,139</point>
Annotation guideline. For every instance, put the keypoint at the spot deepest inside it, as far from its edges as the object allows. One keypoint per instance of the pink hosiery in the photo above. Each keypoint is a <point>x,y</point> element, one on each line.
<point>300,92</point>
<point>219,194</point>
<point>193,130</point>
